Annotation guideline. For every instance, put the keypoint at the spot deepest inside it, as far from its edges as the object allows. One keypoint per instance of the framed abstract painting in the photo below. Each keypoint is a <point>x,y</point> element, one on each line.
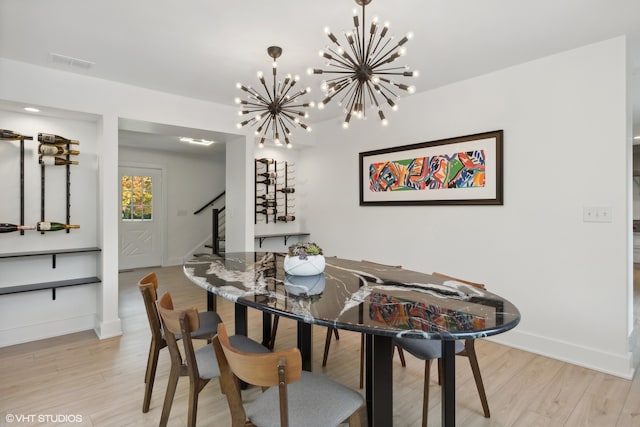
<point>465,170</point>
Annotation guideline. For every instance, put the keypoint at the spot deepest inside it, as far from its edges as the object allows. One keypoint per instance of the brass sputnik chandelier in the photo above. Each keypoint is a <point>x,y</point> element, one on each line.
<point>276,110</point>
<point>364,69</point>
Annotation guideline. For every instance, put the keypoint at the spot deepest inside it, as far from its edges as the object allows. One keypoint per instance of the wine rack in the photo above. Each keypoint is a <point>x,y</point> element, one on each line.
<point>51,149</point>
<point>274,189</point>
<point>57,141</point>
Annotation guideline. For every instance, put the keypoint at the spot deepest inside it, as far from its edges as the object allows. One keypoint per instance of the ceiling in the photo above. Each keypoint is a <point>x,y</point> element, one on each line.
<point>200,49</point>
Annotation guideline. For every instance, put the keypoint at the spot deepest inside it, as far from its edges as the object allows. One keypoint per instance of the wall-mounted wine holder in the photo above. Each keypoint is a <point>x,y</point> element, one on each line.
<point>58,141</point>
<point>274,186</point>
<point>53,143</point>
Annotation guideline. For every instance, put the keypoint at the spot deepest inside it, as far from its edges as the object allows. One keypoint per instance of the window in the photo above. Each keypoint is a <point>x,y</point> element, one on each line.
<point>137,198</point>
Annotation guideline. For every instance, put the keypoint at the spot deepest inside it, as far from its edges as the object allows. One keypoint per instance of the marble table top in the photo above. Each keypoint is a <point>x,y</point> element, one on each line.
<point>356,295</point>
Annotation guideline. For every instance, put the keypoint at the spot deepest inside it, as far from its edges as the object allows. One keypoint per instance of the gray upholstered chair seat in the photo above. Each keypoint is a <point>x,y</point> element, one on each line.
<point>209,321</point>
<point>206,356</point>
<point>424,349</point>
<point>314,401</point>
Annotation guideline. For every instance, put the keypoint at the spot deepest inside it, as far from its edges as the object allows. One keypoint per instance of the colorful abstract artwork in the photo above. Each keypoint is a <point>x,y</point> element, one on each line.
<point>456,170</point>
<point>465,170</point>
<point>406,314</point>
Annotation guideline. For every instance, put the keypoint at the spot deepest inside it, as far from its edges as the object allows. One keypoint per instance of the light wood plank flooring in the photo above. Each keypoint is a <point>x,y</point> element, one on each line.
<point>102,381</point>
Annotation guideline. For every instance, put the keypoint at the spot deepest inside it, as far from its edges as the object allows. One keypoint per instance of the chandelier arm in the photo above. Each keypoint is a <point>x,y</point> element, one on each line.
<point>371,40</point>
<point>384,88</point>
<point>390,71</point>
<point>292,98</point>
<point>388,55</point>
<point>255,94</point>
<point>375,55</point>
<point>350,95</point>
<point>372,96</point>
<point>286,89</point>
<point>339,58</point>
<point>355,46</point>
<point>375,50</point>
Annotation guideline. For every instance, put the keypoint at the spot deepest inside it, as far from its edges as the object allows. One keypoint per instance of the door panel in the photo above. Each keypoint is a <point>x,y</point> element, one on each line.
<point>140,232</point>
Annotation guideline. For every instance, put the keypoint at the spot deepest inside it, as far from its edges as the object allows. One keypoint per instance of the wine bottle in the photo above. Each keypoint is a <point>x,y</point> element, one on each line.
<point>8,228</point>
<point>49,138</point>
<point>267,204</point>
<point>268,181</point>
<point>55,150</point>
<point>286,218</point>
<point>265,212</point>
<point>265,161</point>
<point>56,161</point>
<point>54,226</point>
<point>286,190</point>
<point>268,174</point>
<point>264,197</point>
<point>9,135</point>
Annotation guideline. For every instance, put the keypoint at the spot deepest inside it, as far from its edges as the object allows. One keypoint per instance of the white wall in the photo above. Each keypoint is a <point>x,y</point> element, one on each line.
<point>191,182</point>
<point>566,145</point>
<point>35,315</point>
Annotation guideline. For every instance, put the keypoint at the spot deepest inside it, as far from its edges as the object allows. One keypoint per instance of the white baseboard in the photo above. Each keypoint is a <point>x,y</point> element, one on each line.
<point>49,329</point>
<point>609,363</point>
<point>108,329</point>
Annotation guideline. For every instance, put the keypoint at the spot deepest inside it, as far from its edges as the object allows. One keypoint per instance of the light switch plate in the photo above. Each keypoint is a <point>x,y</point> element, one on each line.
<point>596,214</point>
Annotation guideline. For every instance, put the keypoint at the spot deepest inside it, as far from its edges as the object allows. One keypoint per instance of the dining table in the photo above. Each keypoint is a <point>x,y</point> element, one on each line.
<point>381,301</point>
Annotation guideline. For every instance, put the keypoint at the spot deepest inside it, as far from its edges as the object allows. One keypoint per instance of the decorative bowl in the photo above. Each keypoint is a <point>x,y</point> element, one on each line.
<point>308,266</point>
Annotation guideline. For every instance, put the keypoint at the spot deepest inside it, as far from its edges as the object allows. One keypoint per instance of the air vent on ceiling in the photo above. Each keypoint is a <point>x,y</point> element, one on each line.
<point>71,62</point>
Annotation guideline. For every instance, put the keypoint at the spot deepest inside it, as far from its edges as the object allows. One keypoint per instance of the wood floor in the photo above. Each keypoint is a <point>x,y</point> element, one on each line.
<point>102,381</point>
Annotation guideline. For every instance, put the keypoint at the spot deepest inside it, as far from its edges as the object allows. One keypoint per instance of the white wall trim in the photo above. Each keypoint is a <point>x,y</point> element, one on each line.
<point>108,329</point>
<point>588,357</point>
<point>48,329</point>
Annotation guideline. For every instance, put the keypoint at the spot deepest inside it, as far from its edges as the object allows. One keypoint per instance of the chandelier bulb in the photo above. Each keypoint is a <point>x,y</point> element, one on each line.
<point>238,125</point>
<point>416,73</point>
<point>409,35</point>
<point>288,145</point>
<point>411,89</point>
<point>345,125</point>
<point>260,74</point>
<point>237,100</point>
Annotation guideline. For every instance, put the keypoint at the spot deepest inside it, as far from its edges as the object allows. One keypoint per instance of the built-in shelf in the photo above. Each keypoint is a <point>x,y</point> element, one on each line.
<point>286,236</point>
<point>48,285</point>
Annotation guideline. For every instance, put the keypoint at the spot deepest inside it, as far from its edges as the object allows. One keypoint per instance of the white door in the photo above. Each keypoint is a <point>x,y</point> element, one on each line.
<point>140,229</point>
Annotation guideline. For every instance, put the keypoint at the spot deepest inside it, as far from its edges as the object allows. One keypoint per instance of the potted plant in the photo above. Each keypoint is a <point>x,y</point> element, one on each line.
<point>304,259</point>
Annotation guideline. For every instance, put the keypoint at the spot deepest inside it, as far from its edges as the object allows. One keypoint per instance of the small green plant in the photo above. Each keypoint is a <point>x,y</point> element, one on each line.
<point>303,250</point>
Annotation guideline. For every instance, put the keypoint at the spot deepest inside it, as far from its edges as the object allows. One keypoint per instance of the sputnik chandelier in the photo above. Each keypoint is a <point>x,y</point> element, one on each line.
<point>275,110</point>
<point>364,69</point>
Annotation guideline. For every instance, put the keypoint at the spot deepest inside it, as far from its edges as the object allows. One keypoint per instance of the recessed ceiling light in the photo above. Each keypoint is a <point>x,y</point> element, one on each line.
<point>31,109</point>
<point>196,141</point>
<point>636,137</point>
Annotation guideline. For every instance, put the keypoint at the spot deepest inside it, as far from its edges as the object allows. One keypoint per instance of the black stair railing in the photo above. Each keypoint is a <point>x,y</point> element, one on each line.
<point>210,203</point>
<point>216,224</point>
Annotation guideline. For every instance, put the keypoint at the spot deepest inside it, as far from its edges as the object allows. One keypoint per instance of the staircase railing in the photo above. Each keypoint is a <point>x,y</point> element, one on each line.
<point>210,203</point>
<point>216,223</point>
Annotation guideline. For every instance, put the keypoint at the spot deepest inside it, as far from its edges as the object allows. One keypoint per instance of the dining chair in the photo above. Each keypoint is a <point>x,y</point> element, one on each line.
<point>331,332</point>
<point>291,396</point>
<point>429,350</point>
<point>208,322</point>
<point>200,364</point>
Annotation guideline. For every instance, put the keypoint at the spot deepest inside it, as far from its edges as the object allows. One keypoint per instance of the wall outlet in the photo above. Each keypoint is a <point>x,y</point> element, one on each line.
<point>596,214</point>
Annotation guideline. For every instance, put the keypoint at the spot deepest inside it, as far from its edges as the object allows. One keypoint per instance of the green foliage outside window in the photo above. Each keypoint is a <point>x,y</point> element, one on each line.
<point>137,198</point>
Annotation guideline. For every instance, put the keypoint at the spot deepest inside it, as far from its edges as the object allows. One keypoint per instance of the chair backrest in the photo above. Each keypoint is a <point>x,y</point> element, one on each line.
<point>182,323</point>
<point>148,287</point>
<point>447,277</point>
<point>261,369</point>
